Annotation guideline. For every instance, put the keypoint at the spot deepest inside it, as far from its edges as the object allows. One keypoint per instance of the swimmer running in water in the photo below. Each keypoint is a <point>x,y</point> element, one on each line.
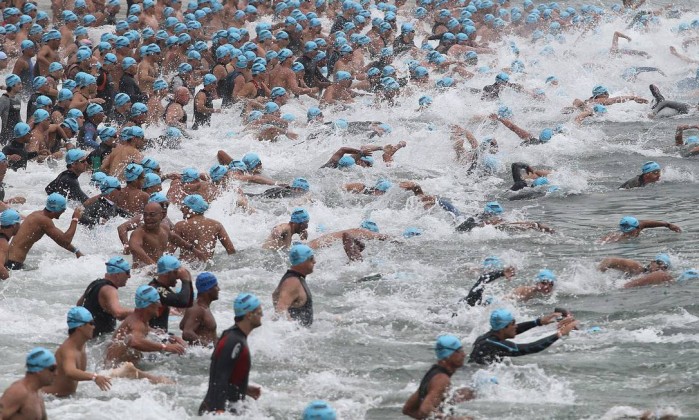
<point>22,400</point>
<point>198,324</point>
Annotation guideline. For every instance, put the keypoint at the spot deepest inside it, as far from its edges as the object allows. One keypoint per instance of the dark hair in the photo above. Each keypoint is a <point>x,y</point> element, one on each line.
<point>239,318</point>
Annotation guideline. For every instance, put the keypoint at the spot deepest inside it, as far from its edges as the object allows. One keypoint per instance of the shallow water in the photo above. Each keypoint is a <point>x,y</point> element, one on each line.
<point>372,342</point>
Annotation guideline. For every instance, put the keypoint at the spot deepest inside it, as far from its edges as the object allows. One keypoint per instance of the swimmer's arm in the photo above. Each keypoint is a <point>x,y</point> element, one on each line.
<point>519,131</point>
<point>412,186</point>
<point>109,300</point>
<point>258,179</point>
<point>225,240</point>
<point>581,117</point>
<point>657,277</point>
<point>622,99</point>
<point>191,323</point>
<point>288,294</point>
<point>682,57</point>
<point>621,264</point>
<point>62,239</point>
<point>647,224</point>
<point>223,157</point>
<point>4,272</point>
<point>12,402</point>
<point>339,154</point>
<point>71,370</point>
<point>136,247</point>
<point>389,150</point>
<point>679,133</point>
<point>435,395</point>
<point>354,187</point>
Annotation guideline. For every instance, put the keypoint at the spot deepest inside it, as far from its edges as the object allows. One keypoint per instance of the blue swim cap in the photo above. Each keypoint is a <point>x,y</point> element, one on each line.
<point>599,90</point>
<point>505,112</point>
<point>369,225</point>
<point>9,217</point>
<point>411,232</point>
<point>664,259</point>
<point>502,77</point>
<point>74,155</point>
<point>196,203</point>
<point>368,159</point>
<point>599,109</point>
<point>319,410</point>
<point>300,215</point>
<point>546,276</point>
<point>251,160</point>
<point>145,296</point>
<point>149,164</point>
<point>78,316</point>
<point>245,303</point>
<point>500,318</point>
<point>12,80</point>
<point>40,115</point>
<point>205,282</point>
<point>492,263</point>
<point>121,99</point>
<point>132,172</point>
<point>540,181</point>
<point>168,263</point>
<point>151,179</point>
<point>217,172</point>
<point>299,254</point>
<point>383,185</point>
<point>117,265</point>
<point>545,135</point>
<point>446,345</point>
<point>650,166</point>
<point>493,207</point>
<point>189,175</point>
<point>628,224</point>
<point>55,203</point>
<point>300,183</point>
<point>313,112</point>
<point>690,274</point>
<point>346,162</point>
<point>691,140</point>
<point>39,359</point>
<point>157,197</point>
<point>138,108</point>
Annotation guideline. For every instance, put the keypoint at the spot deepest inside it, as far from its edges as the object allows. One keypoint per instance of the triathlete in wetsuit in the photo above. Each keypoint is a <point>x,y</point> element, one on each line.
<point>168,272</point>
<point>203,118</point>
<point>475,295</point>
<point>104,321</point>
<point>230,361</point>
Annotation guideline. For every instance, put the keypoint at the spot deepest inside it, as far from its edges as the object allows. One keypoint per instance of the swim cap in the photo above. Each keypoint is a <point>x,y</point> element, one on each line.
<point>319,410</point>
<point>127,62</point>
<point>168,263</point>
<point>545,135</point>
<point>370,225</point>
<point>157,197</point>
<point>493,207</point>
<point>146,296</point>
<point>237,165</point>
<point>690,274</point>
<point>271,107</point>
<point>138,108</point>
<point>251,160</point>
<point>492,263</point>
<point>599,109</point>
<point>383,185</point>
<point>313,112</point>
<point>245,303</point>
<point>546,276</point>
<point>691,140</point>
<point>300,183</point>
<point>55,203</point>
<point>500,318</point>
<point>26,44</point>
<point>599,90</point>
<point>196,203</point>
<point>628,224</point>
<point>346,161</point>
<point>205,282</point>
<point>300,215</point>
<point>121,99</point>
<point>189,175</point>
<point>299,254</point>
<point>118,265</point>
<point>505,112</point>
<point>39,359</point>
<point>425,100</point>
<point>650,166</point>
<point>151,179</point>
<point>132,172</point>
<point>664,259</point>
<point>411,232</point>
<point>75,113</point>
<point>9,217</point>
<point>40,115</point>
<point>540,181</point>
<point>12,80</point>
<point>368,159</point>
<point>74,155</point>
<point>93,109</point>
<point>446,345</point>
<point>502,77</point>
<point>78,316</point>
<point>217,172</point>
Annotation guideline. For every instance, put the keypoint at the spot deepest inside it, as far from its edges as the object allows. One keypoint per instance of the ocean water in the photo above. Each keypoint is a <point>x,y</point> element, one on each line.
<point>372,341</point>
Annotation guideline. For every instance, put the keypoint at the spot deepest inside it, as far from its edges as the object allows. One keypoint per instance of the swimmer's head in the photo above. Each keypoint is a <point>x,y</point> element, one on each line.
<point>205,282</point>
<point>383,185</point>
<point>78,316</point>
<point>599,90</point>
<point>55,203</point>
<point>662,261</point>
<point>346,162</point>
<point>502,77</point>
<point>146,296</point>
<point>370,225</point>
<point>300,216</point>
<point>504,112</point>
<point>217,172</point>
<point>545,135</point>
<point>492,263</point>
<point>690,274</point>
<point>196,203</point>
<point>599,109</point>
<point>545,279</point>
<point>39,359</point>
<point>691,140</point>
<point>540,181</point>
<point>411,232</point>
<point>319,410</point>
<point>300,184</point>
<point>158,197</point>
<point>167,264</point>
<point>493,208</point>
<point>118,265</point>
<point>299,254</point>
<point>628,224</point>
<point>424,101</point>
<point>447,345</point>
<point>252,161</point>
<point>649,167</point>
<point>9,218</point>
<point>500,319</point>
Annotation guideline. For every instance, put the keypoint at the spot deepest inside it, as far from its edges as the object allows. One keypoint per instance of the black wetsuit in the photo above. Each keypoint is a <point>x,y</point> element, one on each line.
<point>98,155</point>
<point>203,118</point>
<point>312,75</point>
<point>100,211</point>
<point>475,295</point>
<point>66,184</point>
<point>489,349</point>
<point>17,148</point>
<point>276,192</point>
<point>400,46</point>
<point>104,321</point>
<point>304,314</point>
<point>105,90</point>
<point>519,181</point>
<point>224,88</point>
<point>128,85</point>
<point>182,299</point>
<point>425,382</point>
<point>31,106</point>
<point>10,109</point>
<point>229,371</point>
<point>634,182</point>
<point>339,24</point>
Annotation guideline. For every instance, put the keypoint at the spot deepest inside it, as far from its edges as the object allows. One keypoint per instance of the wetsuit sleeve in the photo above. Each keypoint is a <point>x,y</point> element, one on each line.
<point>523,327</point>
<point>227,353</point>
<point>182,299</point>
<point>89,136</point>
<point>519,182</point>
<point>123,213</point>
<point>530,348</point>
<point>475,295</point>
<point>5,111</point>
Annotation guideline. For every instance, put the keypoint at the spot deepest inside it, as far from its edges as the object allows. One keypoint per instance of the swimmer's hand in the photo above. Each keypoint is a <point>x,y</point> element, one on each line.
<point>509,272</point>
<point>254,392</point>
<point>103,382</point>
<point>566,326</point>
<point>79,254</point>
<point>547,319</point>
<point>174,348</point>
<point>96,101</point>
<point>674,228</point>
<point>77,213</point>
<point>127,249</point>
<point>640,100</point>
<point>176,340</point>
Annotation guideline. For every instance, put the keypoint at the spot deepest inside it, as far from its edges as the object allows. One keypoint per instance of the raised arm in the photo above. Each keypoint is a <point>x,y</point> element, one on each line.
<point>519,131</point>
<point>648,224</point>
<point>622,264</point>
<point>225,240</point>
<point>64,239</point>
